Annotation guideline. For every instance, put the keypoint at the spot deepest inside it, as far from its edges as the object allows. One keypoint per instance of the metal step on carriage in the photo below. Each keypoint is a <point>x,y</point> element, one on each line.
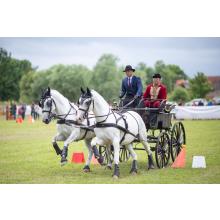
<point>165,135</point>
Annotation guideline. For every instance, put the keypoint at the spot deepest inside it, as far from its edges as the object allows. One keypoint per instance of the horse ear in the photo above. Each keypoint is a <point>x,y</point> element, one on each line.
<point>48,90</point>
<point>82,90</point>
<point>88,92</point>
<point>39,104</point>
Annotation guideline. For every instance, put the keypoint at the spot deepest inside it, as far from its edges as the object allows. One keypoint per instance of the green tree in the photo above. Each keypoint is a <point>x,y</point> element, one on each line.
<point>106,77</point>
<point>26,83</point>
<point>68,80</point>
<point>40,82</point>
<point>200,86</point>
<point>180,95</point>
<point>11,72</point>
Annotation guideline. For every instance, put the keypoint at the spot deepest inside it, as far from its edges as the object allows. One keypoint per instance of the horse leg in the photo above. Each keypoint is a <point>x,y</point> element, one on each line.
<point>97,155</point>
<point>143,139</point>
<point>86,168</point>
<point>116,145</point>
<point>58,137</point>
<point>134,159</point>
<point>73,136</point>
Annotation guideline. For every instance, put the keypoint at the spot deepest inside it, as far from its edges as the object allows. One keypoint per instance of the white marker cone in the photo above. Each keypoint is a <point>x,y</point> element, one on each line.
<point>198,162</point>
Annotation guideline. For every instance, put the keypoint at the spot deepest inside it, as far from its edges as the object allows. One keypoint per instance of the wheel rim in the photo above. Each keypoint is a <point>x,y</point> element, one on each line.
<point>162,152</point>
<point>124,154</point>
<point>102,151</point>
<point>178,138</point>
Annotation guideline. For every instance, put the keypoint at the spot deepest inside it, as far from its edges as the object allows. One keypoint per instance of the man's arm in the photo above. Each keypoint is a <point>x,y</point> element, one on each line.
<point>140,87</point>
<point>163,93</point>
<point>123,90</point>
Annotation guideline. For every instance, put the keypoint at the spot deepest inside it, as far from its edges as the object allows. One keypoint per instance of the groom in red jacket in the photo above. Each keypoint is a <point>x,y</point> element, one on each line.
<point>155,92</point>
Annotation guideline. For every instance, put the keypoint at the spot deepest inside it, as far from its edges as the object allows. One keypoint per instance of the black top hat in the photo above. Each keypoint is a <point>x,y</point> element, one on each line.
<point>157,75</point>
<point>128,67</point>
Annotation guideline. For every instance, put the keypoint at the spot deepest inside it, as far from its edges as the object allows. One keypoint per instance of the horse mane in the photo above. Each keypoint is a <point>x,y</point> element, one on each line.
<point>94,93</point>
<point>61,97</point>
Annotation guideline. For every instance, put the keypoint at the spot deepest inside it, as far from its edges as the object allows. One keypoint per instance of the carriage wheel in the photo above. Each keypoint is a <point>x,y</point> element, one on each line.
<point>124,154</point>
<point>178,138</point>
<point>102,151</point>
<point>162,150</point>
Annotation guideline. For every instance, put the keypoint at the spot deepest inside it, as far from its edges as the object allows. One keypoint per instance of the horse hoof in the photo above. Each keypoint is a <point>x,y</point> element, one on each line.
<point>115,177</point>
<point>151,168</point>
<point>86,170</point>
<point>108,168</point>
<point>64,162</point>
<point>133,173</point>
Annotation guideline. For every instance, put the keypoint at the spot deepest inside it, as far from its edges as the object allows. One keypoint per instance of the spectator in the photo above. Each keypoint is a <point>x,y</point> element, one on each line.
<point>200,103</point>
<point>210,103</point>
<point>23,110</point>
<point>14,110</point>
<point>7,112</point>
<point>33,113</point>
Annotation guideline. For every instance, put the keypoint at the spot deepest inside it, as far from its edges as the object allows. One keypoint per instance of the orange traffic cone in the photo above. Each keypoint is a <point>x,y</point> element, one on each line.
<point>180,161</point>
<point>19,120</point>
<point>78,157</point>
<point>94,160</point>
<point>30,119</point>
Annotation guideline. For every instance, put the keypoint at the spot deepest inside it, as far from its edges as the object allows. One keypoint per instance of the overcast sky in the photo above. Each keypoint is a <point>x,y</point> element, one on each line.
<point>191,54</point>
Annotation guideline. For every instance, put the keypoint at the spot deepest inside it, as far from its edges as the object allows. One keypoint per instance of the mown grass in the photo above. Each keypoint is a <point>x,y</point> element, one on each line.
<point>27,156</point>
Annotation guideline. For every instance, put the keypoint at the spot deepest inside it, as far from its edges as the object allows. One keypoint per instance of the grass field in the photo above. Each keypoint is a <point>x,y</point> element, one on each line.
<point>27,156</point>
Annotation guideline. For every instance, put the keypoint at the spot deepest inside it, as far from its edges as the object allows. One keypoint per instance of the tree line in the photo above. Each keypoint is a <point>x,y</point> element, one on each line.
<point>19,81</point>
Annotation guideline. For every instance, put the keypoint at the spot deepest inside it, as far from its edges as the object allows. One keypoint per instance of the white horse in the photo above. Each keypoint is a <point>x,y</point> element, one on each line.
<point>55,105</point>
<point>114,128</point>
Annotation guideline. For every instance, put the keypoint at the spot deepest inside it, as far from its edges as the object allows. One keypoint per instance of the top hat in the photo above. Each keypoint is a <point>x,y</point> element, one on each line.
<point>128,67</point>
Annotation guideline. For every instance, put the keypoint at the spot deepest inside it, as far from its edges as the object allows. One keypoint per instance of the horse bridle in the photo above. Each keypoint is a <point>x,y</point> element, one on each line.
<point>50,114</point>
<point>86,111</point>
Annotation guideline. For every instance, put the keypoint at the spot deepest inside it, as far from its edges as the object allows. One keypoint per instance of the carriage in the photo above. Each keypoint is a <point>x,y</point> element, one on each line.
<point>165,135</point>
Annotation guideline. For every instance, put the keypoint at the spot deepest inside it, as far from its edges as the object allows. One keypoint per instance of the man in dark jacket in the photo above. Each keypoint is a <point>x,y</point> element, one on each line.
<point>131,88</point>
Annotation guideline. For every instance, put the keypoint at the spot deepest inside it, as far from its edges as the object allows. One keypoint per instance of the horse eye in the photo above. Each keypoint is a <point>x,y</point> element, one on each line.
<point>49,103</point>
<point>88,102</point>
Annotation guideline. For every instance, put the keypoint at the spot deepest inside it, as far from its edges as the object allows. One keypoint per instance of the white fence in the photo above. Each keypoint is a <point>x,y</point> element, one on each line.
<point>197,112</point>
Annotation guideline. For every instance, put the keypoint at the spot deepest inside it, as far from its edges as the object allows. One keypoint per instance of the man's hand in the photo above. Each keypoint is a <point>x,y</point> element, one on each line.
<point>136,96</point>
<point>121,95</point>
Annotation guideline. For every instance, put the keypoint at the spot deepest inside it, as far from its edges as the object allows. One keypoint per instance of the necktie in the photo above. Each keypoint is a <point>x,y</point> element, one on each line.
<point>129,81</point>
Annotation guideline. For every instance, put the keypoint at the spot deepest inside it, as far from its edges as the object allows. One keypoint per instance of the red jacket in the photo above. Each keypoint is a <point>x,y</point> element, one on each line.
<point>161,92</point>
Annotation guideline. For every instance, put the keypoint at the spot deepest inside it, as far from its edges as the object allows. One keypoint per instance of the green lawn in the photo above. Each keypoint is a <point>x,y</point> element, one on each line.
<point>27,156</point>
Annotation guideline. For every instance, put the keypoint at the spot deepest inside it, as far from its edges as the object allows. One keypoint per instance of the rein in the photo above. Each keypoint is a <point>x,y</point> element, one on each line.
<point>59,116</point>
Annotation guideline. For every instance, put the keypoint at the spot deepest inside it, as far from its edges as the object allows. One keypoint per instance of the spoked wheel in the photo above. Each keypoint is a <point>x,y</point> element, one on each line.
<point>102,151</point>
<point>178,138</point>
<point>124,154</point>
<point>162,150</point>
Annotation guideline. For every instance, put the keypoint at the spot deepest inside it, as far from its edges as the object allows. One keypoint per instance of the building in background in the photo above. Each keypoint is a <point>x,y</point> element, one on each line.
<point>215,82</point>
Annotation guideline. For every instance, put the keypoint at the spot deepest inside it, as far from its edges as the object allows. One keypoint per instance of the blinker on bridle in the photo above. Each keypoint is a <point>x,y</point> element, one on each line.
<point>86,111</point>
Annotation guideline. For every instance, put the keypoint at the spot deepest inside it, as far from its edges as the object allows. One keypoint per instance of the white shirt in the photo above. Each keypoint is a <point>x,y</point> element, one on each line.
<point>130,80</point>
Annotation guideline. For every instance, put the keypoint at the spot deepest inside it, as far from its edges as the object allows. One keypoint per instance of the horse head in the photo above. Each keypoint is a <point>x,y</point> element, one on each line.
<point>84,103</point>
<point>48,106</point>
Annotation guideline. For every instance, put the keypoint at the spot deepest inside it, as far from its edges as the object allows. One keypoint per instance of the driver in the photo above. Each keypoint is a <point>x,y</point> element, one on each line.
<point>131,87</point>
<point>155,91</point>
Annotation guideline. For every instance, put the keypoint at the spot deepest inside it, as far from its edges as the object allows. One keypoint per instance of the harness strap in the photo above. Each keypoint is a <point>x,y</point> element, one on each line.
<point>126,127</point>
<point>72,122</point>
<point>125,130</point>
